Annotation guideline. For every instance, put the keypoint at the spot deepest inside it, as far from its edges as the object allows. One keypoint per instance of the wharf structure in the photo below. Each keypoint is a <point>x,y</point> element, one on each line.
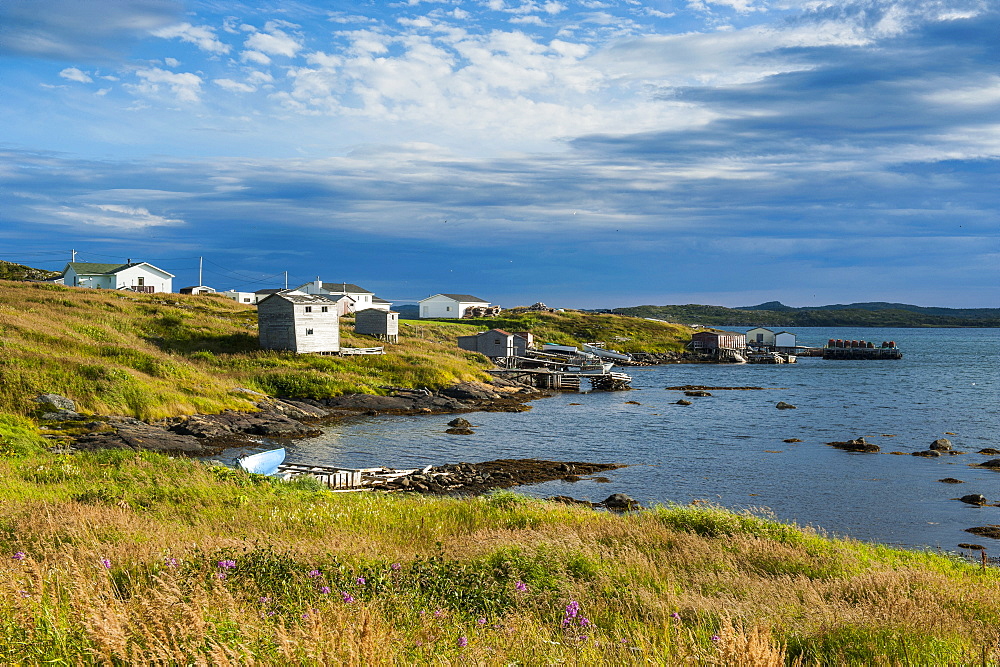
<point>859,349</point>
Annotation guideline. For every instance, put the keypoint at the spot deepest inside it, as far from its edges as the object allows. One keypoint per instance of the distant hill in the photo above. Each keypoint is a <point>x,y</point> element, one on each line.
<point>408,311</point>
<point>776,314</point>
<point>11,271</point>
<point>973,313</point>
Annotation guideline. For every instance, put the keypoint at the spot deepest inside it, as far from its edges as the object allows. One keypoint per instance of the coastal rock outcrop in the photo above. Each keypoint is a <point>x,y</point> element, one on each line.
<point>781,405</point>
<point>985,531</point>
<point>941,445</point>
<point>974,499</point>
<point>619,502</point>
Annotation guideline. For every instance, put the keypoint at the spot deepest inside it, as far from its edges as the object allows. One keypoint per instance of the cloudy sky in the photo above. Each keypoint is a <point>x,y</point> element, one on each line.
<point>591,153</point>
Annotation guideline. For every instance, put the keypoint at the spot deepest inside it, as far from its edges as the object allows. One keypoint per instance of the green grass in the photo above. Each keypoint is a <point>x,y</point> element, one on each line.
<point>157,355</point>
<point>366,578</point>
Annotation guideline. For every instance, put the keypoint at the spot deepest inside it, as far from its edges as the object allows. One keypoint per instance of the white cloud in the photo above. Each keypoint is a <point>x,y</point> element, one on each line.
<point>201,36</point>
<point>255,57</point>
<point>185,86</point>
<point>234,86</point>
<point>274,41</point>
<point>526,20</point>
<point>109,215</point>
<point>171,62</point>
<point>73,74</point>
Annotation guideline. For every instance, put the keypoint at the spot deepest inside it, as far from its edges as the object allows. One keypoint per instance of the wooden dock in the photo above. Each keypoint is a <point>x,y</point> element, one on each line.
<point>564,380</point>
<point>841,353</point>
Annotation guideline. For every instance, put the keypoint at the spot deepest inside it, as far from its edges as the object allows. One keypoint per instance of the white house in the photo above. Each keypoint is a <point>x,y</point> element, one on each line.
<point>239,297</point>
<point>360,297</point>
<point>760,337</point>
<point>299,322</point>
<point>450,305</point>
<point>134,276</point>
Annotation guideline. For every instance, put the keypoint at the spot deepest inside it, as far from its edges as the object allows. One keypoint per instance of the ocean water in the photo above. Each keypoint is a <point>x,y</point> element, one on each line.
<point>729,449</point>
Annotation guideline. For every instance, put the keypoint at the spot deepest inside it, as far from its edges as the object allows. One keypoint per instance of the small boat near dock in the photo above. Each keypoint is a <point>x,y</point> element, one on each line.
<point>262,463</point>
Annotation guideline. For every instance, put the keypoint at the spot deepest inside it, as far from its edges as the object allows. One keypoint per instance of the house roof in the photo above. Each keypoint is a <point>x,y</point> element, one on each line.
<point>375,299</point>
<point>95,269</point>
<point>339,288</point>
<point>92,268</point>
<point>761,329</point>
<point>269,290</point>
<point>294,296</point>
<point>465,298</point>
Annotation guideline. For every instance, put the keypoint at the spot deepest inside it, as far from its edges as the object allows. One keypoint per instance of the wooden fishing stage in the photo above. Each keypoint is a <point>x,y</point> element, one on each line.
<point>564,380</point>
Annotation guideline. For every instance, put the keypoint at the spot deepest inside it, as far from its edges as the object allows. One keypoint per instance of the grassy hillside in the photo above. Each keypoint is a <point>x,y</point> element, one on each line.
<point>159,355</point>
<point>11,271</point>
<point>628,334</point>
<point>122,558</point>
<point>828,316</point>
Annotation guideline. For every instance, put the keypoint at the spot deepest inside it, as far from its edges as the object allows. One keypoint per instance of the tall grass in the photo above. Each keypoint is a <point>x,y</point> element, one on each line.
<point>133,557</point>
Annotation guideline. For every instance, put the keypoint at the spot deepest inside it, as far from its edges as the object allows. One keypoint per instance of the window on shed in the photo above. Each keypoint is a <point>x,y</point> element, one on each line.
<point>142,281</point>
<point>309,309</point>
<point>447,308</point>
<point>309,332</point>
<point>323,309</point>
<point>246,300</point>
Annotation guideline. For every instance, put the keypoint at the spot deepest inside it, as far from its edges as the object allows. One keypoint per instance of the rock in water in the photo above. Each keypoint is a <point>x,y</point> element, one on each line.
<point>856,445</point>
<point>683,402</point>
<point>951,480</point>
<point>985,531</point>
<point>928,454</point>
<point>697,393</point>
<point>974,499</point>
<point>458,422</point>
<point>992,463</point>
<point>785,406</point>
<point>941,445</point>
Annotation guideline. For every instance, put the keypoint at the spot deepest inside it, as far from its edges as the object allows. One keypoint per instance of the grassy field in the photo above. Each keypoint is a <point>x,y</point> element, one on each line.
<point>158,355</point>
<point>123,558</point>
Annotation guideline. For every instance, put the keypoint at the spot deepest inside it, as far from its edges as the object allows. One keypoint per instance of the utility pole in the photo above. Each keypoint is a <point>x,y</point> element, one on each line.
<point>74,255</point>
<point>286,279</point>
<point>200,283</point>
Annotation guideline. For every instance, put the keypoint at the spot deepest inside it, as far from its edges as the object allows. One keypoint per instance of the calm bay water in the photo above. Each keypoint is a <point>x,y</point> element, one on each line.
<point>729,448</point>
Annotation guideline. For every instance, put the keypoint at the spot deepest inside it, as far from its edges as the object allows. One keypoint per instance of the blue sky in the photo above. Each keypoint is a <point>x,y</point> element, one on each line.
<point>597,153</point>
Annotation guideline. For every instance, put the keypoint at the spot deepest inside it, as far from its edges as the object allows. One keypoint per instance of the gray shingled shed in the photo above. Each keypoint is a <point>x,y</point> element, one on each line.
<point>302,323</point>
<point>382,324</point>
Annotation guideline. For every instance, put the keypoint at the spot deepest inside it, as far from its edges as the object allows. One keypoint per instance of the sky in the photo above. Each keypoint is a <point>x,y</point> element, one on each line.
<point>586,154</point>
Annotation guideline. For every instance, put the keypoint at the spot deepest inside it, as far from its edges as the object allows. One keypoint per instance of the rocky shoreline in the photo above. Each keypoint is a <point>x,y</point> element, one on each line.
<point>206,435</point>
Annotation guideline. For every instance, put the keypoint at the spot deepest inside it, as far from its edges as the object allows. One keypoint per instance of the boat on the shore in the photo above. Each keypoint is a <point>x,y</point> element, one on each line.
<point>262,463</point>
